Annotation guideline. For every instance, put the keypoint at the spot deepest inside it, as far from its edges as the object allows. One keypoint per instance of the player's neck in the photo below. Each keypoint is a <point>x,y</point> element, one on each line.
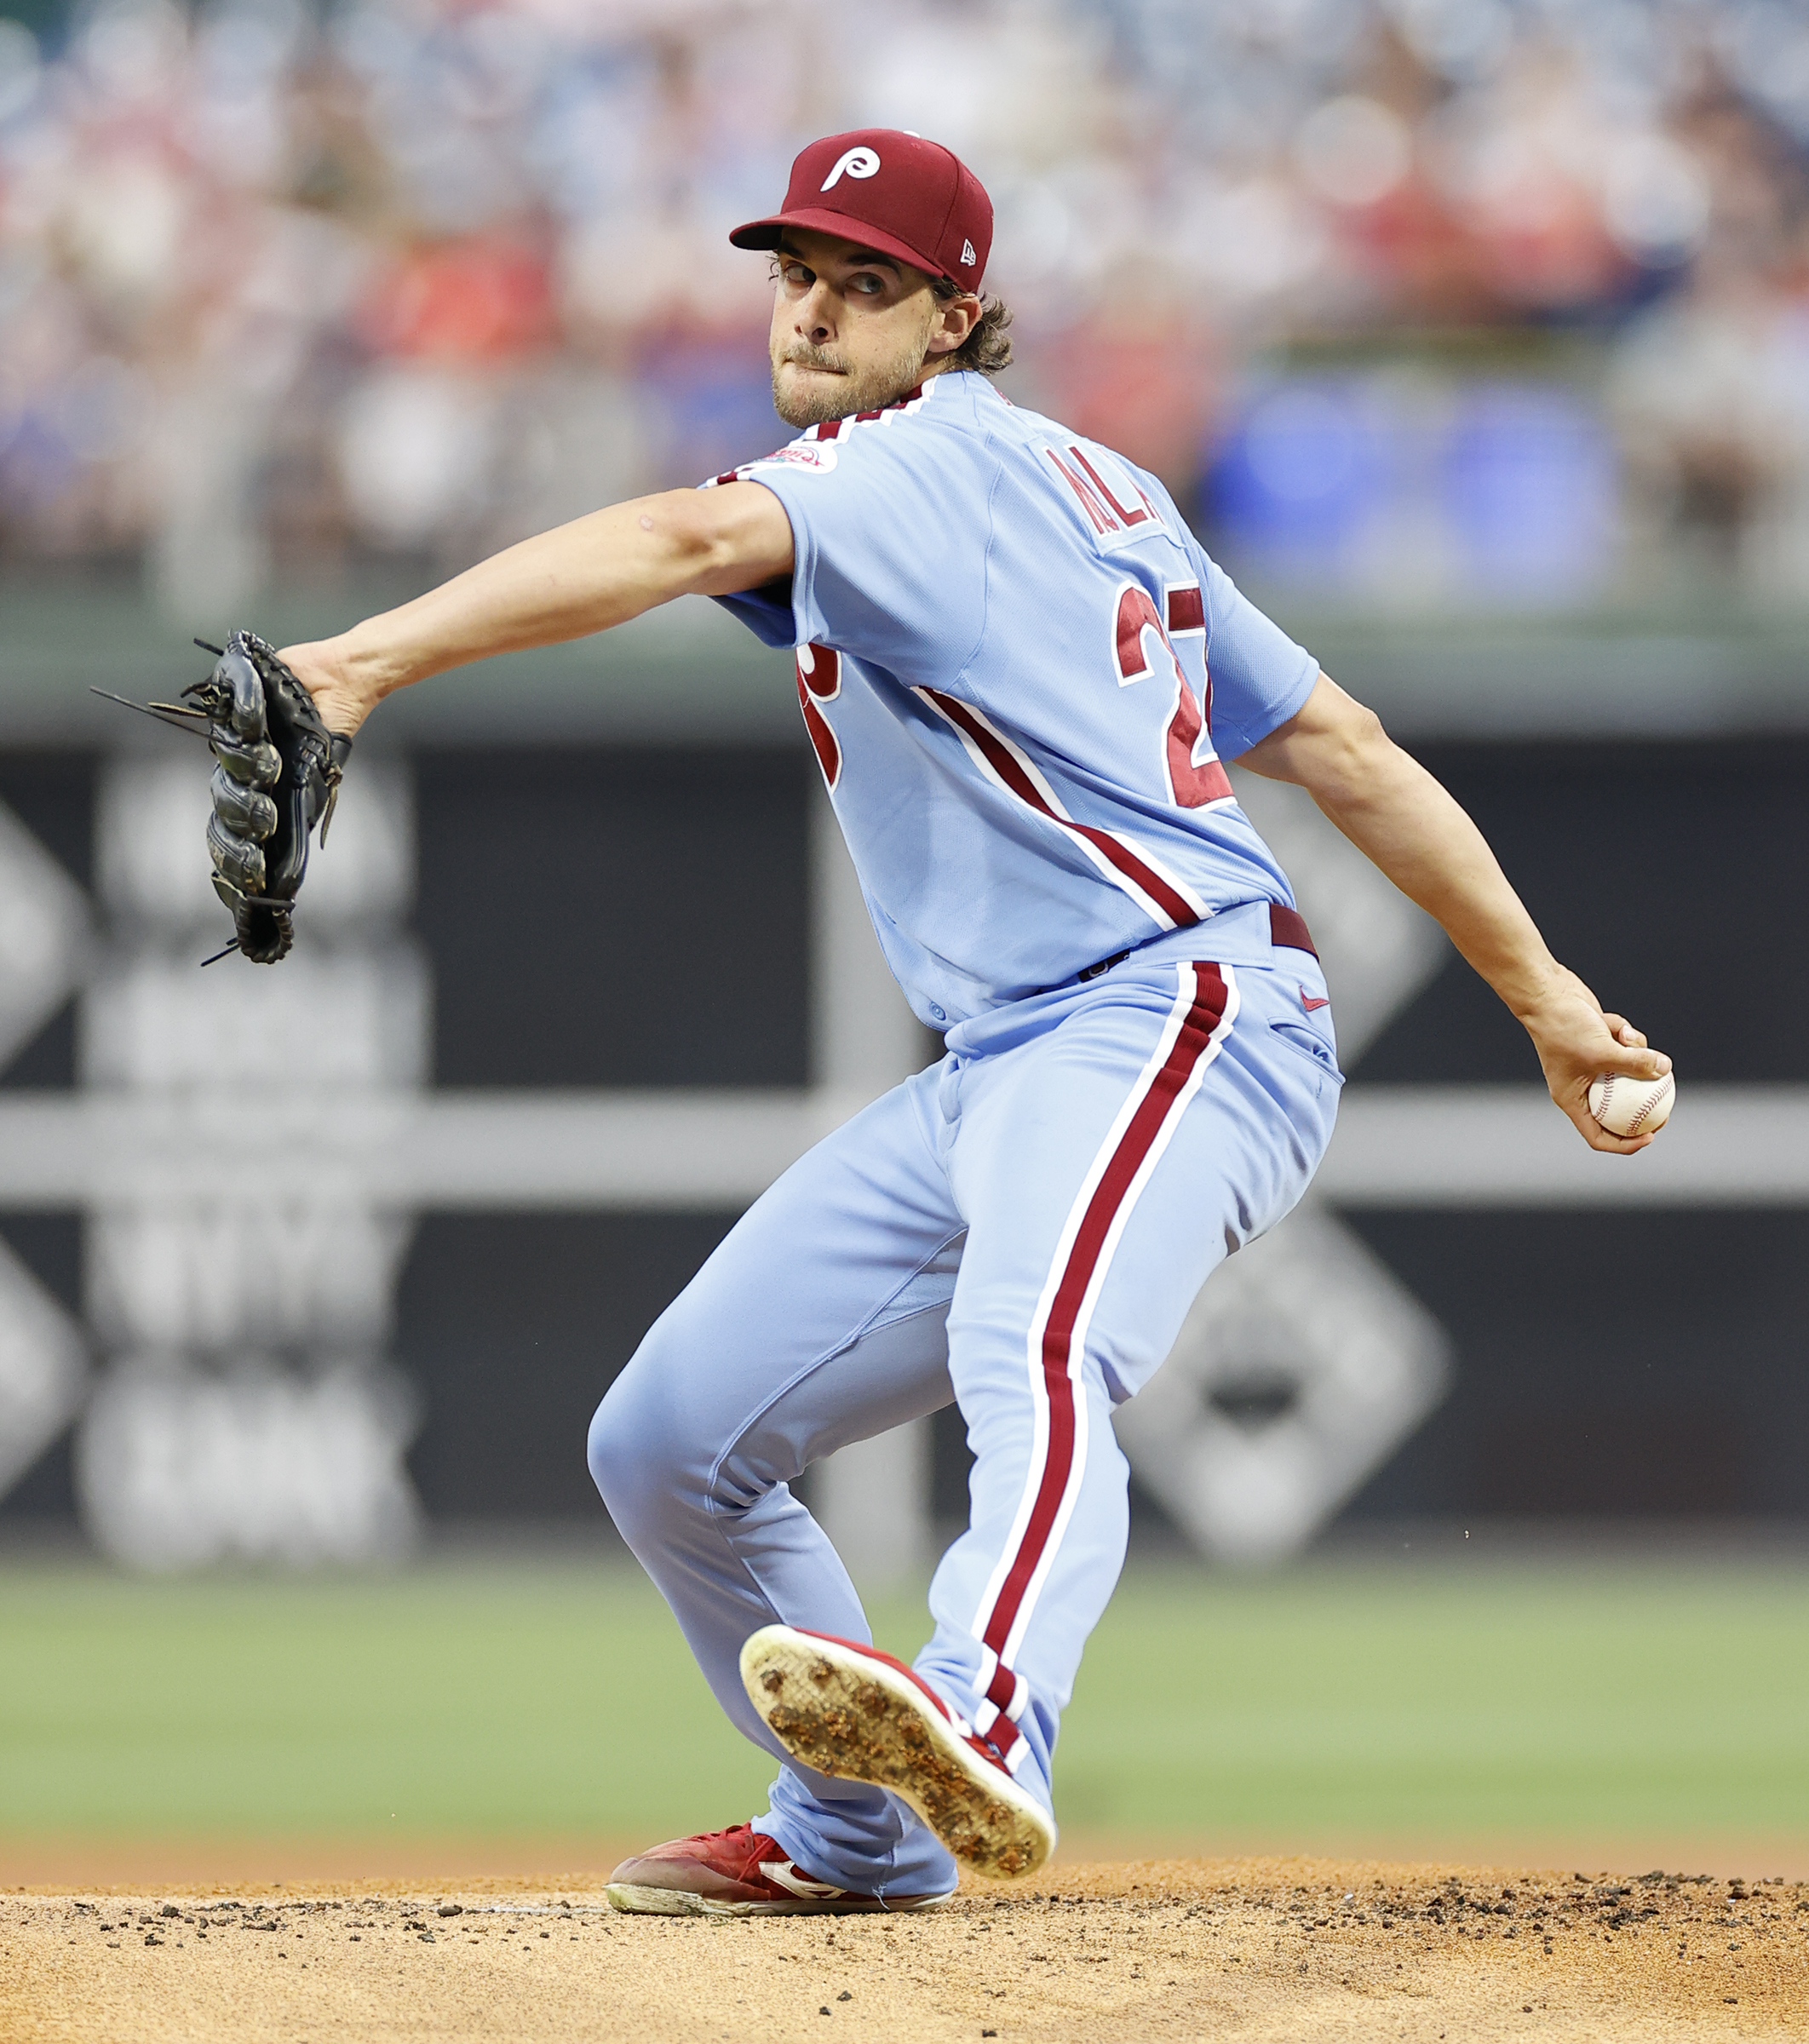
<point>934,365</point>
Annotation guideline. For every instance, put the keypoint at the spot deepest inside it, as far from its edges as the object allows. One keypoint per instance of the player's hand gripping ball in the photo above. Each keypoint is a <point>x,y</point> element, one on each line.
<point>277,775</point>
<point>1627,1106</point>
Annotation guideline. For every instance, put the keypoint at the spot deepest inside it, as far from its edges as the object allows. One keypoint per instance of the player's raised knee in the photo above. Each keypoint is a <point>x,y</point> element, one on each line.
<point>641,1447</point>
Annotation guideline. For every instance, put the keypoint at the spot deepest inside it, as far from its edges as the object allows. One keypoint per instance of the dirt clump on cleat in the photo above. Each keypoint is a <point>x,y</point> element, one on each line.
<point>847,1710</point>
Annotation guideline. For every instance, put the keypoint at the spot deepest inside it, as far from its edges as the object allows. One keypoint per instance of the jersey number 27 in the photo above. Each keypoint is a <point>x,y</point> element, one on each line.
<point>1192,782</point>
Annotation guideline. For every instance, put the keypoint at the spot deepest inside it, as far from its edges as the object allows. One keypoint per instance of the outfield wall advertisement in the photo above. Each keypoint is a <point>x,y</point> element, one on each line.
<point>297,1264</point>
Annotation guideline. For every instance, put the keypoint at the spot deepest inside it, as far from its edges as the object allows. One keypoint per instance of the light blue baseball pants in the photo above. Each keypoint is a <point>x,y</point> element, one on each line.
<point>1020,1228</point>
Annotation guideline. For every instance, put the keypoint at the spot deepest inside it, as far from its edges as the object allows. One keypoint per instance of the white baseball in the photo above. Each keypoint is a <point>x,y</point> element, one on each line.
<point>1627,1106</point>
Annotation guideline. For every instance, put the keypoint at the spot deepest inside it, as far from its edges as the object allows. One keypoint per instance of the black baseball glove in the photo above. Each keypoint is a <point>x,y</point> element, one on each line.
<point>278,774</point>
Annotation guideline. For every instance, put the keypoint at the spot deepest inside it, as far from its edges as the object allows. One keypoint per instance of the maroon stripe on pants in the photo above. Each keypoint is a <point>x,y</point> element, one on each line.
<point>1001,1689</point>
<point>1002,1735</point>
<point>1203,1017</point>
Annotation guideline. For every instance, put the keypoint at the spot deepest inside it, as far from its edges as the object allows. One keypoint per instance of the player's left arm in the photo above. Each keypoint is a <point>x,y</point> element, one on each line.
<point>1401,818</point>
<point>578,579</point>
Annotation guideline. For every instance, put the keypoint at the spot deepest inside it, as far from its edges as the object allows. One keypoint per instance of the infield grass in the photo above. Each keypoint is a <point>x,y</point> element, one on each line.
<point>1333,1703</point>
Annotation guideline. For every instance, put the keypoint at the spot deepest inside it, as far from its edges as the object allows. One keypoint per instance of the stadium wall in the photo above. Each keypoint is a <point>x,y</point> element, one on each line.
<point>621,915</point>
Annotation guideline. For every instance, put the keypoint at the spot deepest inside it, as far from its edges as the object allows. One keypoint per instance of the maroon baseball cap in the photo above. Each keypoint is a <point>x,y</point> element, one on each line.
<point>888,191</point>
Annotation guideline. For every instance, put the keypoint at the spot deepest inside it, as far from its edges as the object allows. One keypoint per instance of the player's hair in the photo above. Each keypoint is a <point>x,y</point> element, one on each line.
<point>988,346</point>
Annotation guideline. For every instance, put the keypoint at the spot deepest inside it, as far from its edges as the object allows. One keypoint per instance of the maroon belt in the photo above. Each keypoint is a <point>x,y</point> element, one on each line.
<point>1286,927</point>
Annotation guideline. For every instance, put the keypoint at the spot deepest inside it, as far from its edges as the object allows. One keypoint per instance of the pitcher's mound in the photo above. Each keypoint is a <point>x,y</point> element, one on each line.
<point>1293,1950</point>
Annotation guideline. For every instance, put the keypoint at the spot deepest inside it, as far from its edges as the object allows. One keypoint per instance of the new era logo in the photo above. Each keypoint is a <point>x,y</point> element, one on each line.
<point>967,256</point>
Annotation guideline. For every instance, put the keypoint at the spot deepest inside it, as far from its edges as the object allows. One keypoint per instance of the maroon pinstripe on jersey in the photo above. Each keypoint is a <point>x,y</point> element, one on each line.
<point>1166,898</point>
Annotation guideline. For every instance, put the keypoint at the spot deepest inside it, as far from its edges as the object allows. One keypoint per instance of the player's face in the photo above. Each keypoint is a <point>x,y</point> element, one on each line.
<point>852,329</point>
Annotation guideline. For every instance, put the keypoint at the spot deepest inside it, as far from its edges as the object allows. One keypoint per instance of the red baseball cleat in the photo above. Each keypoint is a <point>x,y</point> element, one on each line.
<point>739,1872</point>
<point>850,1710</point>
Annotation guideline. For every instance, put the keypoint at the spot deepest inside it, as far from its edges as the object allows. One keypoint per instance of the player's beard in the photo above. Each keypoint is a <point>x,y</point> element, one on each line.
<point>871,389</point>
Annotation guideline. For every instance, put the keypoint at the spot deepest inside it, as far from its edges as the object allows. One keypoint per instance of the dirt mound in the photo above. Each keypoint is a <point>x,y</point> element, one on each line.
<point>1294,1949</point>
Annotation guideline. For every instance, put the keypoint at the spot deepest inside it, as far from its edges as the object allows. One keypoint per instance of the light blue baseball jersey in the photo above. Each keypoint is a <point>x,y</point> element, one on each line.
<point>1019,669</point>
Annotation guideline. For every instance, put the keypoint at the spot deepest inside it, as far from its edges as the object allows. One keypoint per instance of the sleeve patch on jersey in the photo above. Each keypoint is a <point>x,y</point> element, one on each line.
<point>814,457</point>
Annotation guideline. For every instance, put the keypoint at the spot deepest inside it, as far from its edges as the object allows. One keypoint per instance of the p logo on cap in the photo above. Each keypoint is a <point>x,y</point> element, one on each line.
<point>855,163</point>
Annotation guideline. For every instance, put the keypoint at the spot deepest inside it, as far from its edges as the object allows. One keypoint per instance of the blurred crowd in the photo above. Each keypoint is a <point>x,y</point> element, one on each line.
<point>1484,303</point>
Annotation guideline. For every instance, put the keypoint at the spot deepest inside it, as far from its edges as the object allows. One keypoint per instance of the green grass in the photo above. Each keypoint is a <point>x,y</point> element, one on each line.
<point>1343,1702</point>
<point>1329,1704</point>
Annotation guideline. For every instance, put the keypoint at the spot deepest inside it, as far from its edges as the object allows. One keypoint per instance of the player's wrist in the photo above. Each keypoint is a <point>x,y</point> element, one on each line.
<point>366,665</point>
<point>343,696</point>
<point>1537,989</point>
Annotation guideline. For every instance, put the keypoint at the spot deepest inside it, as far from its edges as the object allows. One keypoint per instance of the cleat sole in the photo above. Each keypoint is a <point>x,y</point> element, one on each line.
<point>846,1715</point>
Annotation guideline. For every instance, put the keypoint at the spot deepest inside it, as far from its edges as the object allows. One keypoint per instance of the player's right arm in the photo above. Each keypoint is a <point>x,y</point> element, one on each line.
<point>1411,827</point>
<point>578,579</point>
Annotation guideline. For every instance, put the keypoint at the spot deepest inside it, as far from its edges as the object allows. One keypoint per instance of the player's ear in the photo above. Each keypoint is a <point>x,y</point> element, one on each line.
<point>955,319</point>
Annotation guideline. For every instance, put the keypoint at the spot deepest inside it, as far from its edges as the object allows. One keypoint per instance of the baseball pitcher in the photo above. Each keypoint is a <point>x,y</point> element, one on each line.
<point>1020,674</point>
